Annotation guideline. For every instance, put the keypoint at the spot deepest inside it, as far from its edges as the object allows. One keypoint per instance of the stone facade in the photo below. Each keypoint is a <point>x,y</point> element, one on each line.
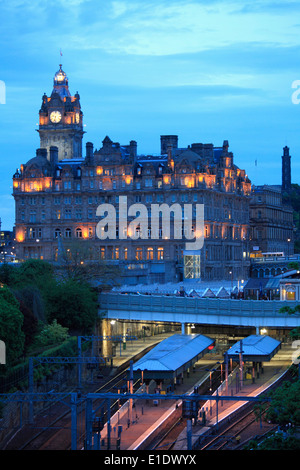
<point>57,194</point>
<point>271,222</point>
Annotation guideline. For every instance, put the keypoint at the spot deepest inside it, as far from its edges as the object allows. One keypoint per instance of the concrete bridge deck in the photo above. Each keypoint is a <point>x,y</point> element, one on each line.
<point>251,313</point>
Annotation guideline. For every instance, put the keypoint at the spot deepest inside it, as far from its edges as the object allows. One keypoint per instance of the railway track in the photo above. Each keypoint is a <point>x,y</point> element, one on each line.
<point>167,439</point>
<point>42,433</point>
<point>242,428</point>
<point>54,432</point>
<point>236,434</point>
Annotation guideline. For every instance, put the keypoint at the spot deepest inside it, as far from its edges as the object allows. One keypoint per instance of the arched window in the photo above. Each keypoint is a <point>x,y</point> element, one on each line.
<point>57,233</point>
<point>78,233</point>
<point>68,233</point>
<point>149,253</point>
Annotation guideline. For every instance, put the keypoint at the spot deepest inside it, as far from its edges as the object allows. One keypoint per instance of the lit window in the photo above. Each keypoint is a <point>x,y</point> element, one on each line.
<point>149,254</point>
<point>160,253</point>
<point>139,253</point>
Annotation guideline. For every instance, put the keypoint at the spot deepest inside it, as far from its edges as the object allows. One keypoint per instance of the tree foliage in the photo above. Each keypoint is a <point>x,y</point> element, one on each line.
<point>40,293</point>
<point>37,273</point>
<point>8,274</point>
<point>74,305</point>
<point>11,322</point>
<point>76,263</point>
<point>277,441</point>
<point>290,310</point>
<point>51,334</point>
<point>293,265</point>
<point>30,326</point>
<point>285,405</point>
<point>295,333</point>
<point>32,299</point>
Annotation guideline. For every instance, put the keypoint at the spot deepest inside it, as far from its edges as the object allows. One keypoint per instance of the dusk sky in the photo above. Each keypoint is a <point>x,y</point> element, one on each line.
<point>207,71</point>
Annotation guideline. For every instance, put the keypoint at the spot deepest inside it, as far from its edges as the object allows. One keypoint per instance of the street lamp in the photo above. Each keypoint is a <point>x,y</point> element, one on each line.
<point>231,274</point>
<point>241,362</point>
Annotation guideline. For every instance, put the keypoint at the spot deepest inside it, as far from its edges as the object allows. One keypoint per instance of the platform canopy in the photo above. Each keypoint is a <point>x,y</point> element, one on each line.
<point>173,356</point>
<point>255,348</point>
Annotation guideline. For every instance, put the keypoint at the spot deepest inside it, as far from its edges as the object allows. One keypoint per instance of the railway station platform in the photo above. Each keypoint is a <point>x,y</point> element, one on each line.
<point>147,418</point>
<point>272,372</point>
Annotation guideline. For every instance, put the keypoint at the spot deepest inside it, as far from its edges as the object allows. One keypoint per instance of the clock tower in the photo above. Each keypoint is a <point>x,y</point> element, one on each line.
<point>60,120</point>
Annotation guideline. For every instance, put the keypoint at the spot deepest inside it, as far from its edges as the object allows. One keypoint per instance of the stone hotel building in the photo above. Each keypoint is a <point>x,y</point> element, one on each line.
<point>58,191</point>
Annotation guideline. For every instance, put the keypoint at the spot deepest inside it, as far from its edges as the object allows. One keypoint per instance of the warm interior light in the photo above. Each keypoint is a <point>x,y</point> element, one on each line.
<point>20,236</point>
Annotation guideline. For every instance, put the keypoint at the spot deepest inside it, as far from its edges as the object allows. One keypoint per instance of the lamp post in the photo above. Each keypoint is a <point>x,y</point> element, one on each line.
<point>226,371</point>
<point>231,275</point>
<point>241,362</point>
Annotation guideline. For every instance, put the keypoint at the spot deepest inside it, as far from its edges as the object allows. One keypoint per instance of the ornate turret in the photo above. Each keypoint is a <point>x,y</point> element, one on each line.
<point>60,119</point>
<point>60,83</point>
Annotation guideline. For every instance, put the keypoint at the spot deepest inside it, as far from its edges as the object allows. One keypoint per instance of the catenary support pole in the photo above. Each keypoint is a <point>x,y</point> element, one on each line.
<point>73,421</point>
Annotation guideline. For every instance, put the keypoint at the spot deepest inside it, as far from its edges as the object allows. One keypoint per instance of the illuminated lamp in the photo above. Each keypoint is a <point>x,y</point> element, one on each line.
<point>47,183</point>
<point>20,237</point>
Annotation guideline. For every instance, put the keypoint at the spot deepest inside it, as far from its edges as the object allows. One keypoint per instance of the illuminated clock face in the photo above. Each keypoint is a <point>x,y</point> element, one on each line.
<point>55,116</point>
<point>60,77</point>
<point>77,117</point>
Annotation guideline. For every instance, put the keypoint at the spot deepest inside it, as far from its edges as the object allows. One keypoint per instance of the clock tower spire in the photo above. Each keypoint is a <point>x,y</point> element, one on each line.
<point>60,119</point>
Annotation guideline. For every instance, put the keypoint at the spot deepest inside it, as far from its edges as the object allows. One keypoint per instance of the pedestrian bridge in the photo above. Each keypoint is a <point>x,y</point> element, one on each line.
<point>250,313</point>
